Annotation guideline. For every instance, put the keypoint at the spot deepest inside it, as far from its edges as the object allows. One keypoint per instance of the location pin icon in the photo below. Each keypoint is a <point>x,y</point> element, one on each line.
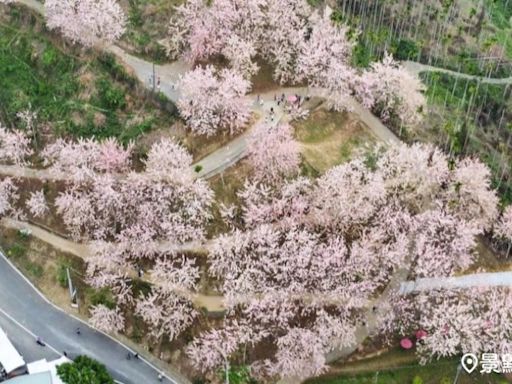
<point>469,362</point>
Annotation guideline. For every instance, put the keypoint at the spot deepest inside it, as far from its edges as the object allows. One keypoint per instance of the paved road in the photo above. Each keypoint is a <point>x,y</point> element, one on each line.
<point>25,313</point>
<point>416,68</point>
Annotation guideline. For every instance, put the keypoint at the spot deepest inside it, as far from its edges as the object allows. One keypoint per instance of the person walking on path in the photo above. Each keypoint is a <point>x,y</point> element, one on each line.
<point>77,331</point>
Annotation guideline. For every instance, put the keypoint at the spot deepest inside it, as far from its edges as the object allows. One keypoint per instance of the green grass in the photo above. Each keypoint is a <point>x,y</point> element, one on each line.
<point>328,139</point>
<point>74,92</point>
<point>441,372</point>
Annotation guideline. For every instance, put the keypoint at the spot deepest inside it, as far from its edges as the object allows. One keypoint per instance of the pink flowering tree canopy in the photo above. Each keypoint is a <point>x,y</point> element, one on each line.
<point>15,146</point>
<point>213,101</point>
<point>304,260</point>
<point>37,204</point>
<point>273,152</point>
<point>87,22</point>
<point>391,91</point>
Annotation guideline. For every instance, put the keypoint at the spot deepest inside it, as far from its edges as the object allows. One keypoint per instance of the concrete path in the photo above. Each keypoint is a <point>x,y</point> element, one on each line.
<point>489,279</point>
<point>416,68</point>
<point>25,314</point>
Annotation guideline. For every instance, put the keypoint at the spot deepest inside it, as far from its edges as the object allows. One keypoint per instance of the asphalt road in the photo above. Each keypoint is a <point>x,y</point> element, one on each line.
<point>25,314</point>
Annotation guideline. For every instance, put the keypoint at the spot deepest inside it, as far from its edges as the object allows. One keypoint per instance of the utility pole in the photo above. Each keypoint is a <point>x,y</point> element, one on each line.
<point>459,369</point>
<point>153,77</point>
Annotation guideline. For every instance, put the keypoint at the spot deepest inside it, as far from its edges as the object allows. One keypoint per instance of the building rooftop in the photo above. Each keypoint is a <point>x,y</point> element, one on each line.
<point>38,378</point>
<point>10,359</point>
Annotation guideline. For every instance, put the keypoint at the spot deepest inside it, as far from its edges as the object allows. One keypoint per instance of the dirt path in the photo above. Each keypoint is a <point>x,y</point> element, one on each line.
<point>210,303</point>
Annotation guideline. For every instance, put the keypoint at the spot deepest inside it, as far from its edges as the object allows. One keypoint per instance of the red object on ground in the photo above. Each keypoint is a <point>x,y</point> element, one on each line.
<point>406,343</point>
<point>421,334</point>
<point>292,98</point>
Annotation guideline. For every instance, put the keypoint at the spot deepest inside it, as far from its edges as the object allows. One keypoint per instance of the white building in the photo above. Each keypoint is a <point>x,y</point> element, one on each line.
<point>10,359</point>
<point>42,366</point>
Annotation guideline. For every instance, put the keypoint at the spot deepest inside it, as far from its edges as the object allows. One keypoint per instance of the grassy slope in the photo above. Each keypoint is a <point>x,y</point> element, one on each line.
<point>74,93</point>
<point>330,138</point>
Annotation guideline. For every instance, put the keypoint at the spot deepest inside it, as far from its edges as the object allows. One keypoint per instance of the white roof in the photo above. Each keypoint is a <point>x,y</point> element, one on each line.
<point>48,366</point>
<point>9,356</point>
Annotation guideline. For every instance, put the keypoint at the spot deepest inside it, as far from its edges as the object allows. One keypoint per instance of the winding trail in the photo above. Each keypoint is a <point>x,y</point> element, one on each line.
<point>211,303</point>
<point>415,68</point>
<point>235,150</point>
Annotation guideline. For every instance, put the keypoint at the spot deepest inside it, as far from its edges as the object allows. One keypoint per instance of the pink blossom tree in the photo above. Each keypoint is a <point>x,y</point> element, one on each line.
<point>239,31</point>
<point>88,22</point>
<point>325,58</point>
<point>198,31</point>
<point>167,309</point>
<point>37,204</point>
<point>8,198</point>
<point>86,158</point>
<point>126,216</point>
<point>14,146</point>
<point>273,152</point>
<point>106,319</point>
<point>213,101</point>
<point>391,91</point>
<point>286,27</point>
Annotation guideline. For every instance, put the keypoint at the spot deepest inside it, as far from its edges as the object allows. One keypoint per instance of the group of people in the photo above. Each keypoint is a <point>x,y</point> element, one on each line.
<point>158,83</point>
<point>289,104</point>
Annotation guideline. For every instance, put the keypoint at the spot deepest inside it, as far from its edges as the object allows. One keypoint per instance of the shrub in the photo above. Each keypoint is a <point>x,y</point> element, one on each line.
<point>102,296</point>
<point>62,275</point>
<point>16,251</point>
<point>84,367</point>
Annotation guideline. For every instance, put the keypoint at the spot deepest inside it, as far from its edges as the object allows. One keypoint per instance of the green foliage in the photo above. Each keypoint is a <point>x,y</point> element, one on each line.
<point>72,93</point>
<point>131,133</point>
<point>44,81</point>
<point>34,269</point>
<point>417,380</point>
<point>108,62</point>
<point>462,94</point>
<point>16,251</point>
<point>406,50</point>
<point>23,235</point>
<point>111,96</point>
<point>84,370</point>
<point>198,168</point>
<point>238,375</point>
<point>361,55</point>
<point>102,296</point>
<point>62,275</point>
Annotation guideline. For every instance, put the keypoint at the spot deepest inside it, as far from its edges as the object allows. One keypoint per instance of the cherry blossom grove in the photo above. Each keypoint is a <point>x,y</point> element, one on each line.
<point>304,260</point>
<point>457,321</point>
